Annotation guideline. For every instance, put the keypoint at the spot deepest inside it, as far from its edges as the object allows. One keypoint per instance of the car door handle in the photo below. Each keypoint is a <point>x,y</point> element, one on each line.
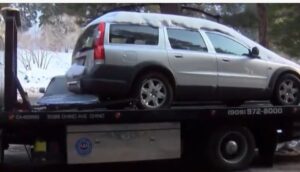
<point>225,60</point>
<point>178,55</point>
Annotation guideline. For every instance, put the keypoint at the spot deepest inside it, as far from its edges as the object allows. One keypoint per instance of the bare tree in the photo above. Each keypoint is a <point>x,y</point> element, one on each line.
<point>168,8</point>
<point>262,24</point>
<point>62,35</point>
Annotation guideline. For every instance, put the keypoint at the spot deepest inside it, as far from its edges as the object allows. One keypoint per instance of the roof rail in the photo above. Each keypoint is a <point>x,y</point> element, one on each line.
<point>135,7</point>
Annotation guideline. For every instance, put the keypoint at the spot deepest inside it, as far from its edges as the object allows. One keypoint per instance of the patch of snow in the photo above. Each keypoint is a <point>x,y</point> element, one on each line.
<point>75,71</point>
<point>157,20</point>
<point>57,93</point>
<point>68,99</point>
<point>36,78</point>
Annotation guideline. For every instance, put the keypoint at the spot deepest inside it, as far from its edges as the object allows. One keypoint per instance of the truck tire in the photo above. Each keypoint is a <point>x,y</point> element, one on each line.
<point>230,148</point>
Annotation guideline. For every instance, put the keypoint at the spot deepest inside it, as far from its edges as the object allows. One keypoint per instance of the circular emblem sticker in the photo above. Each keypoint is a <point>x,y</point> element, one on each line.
<point>83,146</point>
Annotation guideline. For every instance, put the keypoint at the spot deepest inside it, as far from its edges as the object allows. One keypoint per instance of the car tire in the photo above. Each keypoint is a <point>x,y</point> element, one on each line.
<point>230,148</point>
<point>153,91</point>
<point>287,90</point>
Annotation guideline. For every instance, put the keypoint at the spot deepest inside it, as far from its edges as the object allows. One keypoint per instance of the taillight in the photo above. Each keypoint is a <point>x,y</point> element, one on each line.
<point>99,42</point>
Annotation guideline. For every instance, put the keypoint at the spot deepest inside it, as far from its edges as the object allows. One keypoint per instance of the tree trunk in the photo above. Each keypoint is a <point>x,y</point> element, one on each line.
<point>262,24</point>
<point>170,8</point>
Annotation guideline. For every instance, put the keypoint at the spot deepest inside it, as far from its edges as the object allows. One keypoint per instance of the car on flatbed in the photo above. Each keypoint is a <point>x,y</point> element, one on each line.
<point>158,59</point>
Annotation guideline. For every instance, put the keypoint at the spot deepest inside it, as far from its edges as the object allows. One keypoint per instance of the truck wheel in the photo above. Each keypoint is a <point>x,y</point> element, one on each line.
<point>153,91</point>
<point>231,148</point>
<point>287,90</point>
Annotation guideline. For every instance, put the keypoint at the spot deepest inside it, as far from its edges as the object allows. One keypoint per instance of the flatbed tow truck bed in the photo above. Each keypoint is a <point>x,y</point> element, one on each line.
<point>96,116</point>
<point>225,136</point>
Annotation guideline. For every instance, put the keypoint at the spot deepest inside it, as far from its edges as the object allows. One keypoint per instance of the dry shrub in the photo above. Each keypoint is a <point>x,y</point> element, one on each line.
<point>39,58</point>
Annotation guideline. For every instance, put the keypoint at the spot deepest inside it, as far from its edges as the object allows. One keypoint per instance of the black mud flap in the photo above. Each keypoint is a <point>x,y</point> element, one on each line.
<point>1,148</point>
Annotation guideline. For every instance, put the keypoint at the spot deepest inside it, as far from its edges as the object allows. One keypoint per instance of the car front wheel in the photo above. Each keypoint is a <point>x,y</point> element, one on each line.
<point>153,91</point>
<point>287,90</point>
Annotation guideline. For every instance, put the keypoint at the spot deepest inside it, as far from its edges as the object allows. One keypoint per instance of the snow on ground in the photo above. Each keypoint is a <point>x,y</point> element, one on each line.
<point>36,78</point>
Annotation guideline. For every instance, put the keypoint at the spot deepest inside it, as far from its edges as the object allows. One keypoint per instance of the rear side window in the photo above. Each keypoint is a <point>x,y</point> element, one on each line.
<point>133,34</point>
<point>226,45</point>
<point>86,39</point>
<point>186,40</point>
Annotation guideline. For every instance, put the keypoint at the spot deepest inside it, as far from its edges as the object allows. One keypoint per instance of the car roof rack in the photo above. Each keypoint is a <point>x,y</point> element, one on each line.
<point>135,8</point>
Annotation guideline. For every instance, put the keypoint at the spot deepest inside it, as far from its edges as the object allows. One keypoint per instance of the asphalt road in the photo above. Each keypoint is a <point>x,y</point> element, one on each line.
<point>16,160</point>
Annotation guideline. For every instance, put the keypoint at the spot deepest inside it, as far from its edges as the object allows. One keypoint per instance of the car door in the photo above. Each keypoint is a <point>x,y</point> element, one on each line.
<point>239,75</point>
<point>194,68</point>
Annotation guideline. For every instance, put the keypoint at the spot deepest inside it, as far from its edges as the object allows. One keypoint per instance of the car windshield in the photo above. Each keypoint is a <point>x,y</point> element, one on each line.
<point>85,40</point>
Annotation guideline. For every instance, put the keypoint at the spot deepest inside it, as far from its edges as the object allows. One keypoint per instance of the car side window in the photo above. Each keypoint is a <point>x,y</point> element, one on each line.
<point>225,45</point>
<point>186,40</point>
<point>133,34</point>
<point>85,41</point>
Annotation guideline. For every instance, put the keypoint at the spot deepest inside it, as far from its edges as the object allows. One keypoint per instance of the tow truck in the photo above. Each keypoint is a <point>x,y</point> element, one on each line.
<point>227,137</point>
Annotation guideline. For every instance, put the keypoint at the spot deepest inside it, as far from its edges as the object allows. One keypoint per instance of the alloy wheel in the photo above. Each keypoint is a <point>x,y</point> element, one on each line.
<point>153,93</point>
<point>288,91</point>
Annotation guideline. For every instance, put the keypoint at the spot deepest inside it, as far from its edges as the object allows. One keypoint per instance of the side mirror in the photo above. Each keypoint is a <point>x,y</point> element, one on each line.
<point>42,90</point>
<point>254,52</point>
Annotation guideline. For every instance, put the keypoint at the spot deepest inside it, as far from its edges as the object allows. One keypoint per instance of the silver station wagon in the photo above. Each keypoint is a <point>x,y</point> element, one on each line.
<point>158,59</point>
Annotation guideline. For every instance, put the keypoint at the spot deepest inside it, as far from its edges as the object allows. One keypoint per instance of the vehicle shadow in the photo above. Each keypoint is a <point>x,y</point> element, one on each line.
<point>146,166</point>
<point>149,166</point>
<point>280,159</point>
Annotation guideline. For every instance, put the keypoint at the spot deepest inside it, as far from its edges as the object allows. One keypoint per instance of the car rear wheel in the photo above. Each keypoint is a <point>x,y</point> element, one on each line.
<point>287,90</point>
<point>153,91</point>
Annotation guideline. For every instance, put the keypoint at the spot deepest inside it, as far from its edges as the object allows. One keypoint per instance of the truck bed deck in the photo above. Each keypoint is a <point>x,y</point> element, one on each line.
<point>177,113</point>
